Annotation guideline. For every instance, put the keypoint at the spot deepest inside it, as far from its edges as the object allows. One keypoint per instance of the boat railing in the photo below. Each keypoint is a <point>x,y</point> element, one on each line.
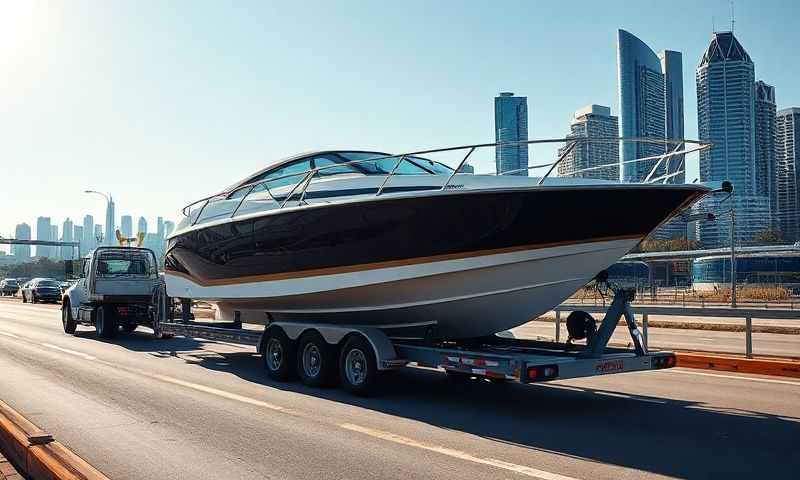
<point>680,148</point>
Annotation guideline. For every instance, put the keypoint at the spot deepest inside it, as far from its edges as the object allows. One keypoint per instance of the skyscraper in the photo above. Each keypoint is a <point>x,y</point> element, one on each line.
<point>641,104</point>
<point>788,173</point>
<point>672,68</point>
<point>77,234</point>
<point>511,125</point>
<point>651,106</point>
<point>55,252</point>
<point>160,227</point>
<point>593,121</point>
<point>110,236</point>
<point>726,118</point>
<point>43,232</point>
<point>126,226</point>
<point>98,233</point>
<point>22,252</point>
<point>67,253</point>
<point>89,240</point>
<point>765,144</point>
<point>142,226</point>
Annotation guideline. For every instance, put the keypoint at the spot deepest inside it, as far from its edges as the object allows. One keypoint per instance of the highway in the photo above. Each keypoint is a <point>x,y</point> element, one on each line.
<point>190,408</point>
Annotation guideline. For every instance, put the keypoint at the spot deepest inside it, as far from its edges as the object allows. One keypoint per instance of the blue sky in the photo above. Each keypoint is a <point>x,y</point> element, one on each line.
<point>163,102</point>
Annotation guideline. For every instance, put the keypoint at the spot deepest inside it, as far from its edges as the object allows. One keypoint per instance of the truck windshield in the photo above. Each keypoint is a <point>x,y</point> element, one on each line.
<point>123,263</point>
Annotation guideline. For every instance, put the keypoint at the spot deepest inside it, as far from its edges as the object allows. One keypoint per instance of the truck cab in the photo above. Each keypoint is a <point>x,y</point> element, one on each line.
<point>114,290</point>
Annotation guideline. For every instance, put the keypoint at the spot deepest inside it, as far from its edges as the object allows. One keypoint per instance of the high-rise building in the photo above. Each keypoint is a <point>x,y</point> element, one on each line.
<point>593,121</point>
<point>89,241</point>
<point>672,68</point>
<point>511,125</point>
<point>787,170</point>
<point>126,226</point>
<point>142,226</point>
<point>169,227</point>
<point>77,234</point>
<point>726,118</point>
<point>765,144</point>
<point>22,252</point>
<point>55,252</point>
<point>43,232</point>
<point>110,236</point>
<point>651,106</point>
<point>160,227</point>
<point>67,253</point>
<point>642,108</point>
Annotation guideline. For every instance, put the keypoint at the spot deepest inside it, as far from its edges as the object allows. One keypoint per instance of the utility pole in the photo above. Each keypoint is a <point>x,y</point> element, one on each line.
<point>733,255</point>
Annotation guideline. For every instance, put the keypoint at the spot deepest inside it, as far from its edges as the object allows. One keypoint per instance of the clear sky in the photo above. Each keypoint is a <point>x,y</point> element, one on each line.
<point>163,102</point>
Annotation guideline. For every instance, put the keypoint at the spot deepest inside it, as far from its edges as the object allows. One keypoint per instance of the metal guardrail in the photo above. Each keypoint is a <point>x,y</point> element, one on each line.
<point>719,312</point>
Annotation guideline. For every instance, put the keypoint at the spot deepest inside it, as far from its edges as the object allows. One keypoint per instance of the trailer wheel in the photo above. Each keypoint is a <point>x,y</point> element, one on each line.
<point>67,321</point>
<point>316,362</point>
<point>105,324</point>
<point>358,367</point>
<point>277,354</point>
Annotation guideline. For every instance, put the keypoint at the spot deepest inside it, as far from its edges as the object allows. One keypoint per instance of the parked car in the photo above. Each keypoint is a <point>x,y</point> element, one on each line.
<point>41,290</point>
<point>9,287</point>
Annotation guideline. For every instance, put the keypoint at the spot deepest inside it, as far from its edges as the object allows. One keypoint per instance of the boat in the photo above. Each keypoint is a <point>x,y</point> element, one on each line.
<point>406,244</point>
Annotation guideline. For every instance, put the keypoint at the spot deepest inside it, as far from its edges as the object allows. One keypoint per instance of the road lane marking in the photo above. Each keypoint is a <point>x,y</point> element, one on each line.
<point>66,350</point>
<point>737,377</point>
<point>410,442</point>
<point>7,334</point>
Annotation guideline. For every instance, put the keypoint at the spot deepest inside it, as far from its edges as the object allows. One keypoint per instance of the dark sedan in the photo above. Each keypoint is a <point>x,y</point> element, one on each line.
<point>9,287</point>
<point>41,290</point>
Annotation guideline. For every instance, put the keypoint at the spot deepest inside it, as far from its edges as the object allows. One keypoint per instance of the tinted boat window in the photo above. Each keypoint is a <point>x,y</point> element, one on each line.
<point>298,167</point>
<point>338,170</point>
<point>382,166</point>
<point>435,167</point>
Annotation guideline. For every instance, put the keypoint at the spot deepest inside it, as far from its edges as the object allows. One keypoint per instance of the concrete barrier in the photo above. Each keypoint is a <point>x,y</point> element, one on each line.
<point>759,366</point>
<point>36,454</point>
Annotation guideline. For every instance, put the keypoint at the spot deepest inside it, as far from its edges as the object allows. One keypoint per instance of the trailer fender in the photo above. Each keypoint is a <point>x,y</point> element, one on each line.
<point>385,353</point>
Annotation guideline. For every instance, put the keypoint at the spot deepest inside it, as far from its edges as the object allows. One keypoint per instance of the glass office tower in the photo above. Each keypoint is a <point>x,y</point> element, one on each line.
<point>511,125</point>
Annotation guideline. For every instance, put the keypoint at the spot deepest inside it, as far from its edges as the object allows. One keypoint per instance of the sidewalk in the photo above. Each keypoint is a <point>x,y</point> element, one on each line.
<point>7,471</point>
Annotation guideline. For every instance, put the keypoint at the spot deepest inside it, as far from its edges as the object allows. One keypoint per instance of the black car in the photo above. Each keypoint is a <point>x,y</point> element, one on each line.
<point>41,290</point>
<point>9,287</point>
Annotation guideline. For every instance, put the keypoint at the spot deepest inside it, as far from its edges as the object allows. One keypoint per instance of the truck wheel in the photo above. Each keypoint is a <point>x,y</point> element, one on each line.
<point>277,354</point>
<point>105,324</point>
<point>67,321</point>
<point>33,298</point>
<point>358,367</point>
<point>316,362</point>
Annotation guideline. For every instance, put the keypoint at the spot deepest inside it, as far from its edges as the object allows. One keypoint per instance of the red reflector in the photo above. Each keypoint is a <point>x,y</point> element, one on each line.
<point>532,373</point>
<point>670,361</point>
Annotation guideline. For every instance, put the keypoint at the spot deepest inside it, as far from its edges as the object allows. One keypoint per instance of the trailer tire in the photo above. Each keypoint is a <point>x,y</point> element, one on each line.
<point>316,360</point>
<point>358,366</point>
<point>69,323</point>
<point>277,354</point>
<point>105,324</point>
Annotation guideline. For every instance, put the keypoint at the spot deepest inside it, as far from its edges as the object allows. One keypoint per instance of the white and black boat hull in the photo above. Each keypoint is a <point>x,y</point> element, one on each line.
<point>448,265</point>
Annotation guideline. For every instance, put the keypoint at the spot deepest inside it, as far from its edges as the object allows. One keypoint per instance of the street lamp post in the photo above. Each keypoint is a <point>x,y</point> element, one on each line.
<point>108,204</point>
<point>733,255</point>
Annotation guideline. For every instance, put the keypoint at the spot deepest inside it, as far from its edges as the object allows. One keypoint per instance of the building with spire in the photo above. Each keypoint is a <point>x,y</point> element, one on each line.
<point>511,125</point>
<point>110,237</point>
<point>726,118</point>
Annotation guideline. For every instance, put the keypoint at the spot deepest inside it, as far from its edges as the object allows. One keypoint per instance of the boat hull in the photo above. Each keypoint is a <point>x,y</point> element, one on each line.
<point>450,264</point>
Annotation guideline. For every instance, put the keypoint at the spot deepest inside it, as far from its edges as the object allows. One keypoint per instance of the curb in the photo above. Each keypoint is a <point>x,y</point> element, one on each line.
<point>36,454</point>
<point>759,366</point>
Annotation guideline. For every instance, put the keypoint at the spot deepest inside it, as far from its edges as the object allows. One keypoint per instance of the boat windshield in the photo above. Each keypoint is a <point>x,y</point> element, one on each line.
<point>382,166</point>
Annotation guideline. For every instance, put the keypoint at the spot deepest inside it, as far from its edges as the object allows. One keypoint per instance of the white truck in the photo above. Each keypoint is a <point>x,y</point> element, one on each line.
<point>114,291</point>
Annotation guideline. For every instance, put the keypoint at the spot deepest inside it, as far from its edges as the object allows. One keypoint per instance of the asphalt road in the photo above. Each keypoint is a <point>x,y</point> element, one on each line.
<point>771,344</point>
<point>190,408</point>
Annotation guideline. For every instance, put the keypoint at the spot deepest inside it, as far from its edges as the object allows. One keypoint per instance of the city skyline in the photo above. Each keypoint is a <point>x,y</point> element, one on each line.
<point>165,129</point>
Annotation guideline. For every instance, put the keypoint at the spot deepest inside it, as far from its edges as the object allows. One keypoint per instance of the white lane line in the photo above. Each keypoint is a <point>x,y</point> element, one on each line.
<point>7,334</point>
<point>629,397</point>
<point>736,377</point>
<point>66,350</point>
<point>512,467</point>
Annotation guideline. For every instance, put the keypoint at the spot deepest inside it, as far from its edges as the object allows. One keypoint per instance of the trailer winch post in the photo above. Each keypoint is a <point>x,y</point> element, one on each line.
<point>620,307</point>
